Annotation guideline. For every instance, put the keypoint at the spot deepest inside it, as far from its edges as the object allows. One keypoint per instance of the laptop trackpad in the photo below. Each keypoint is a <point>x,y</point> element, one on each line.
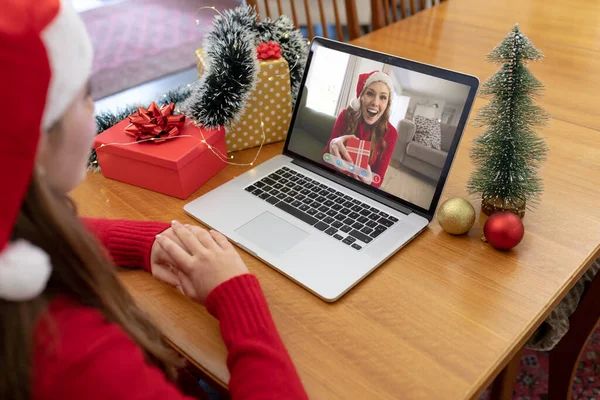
<point>272,233</point>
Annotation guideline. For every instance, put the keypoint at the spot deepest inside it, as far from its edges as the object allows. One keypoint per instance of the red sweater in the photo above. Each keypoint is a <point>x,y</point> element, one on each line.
<point>93,359</point>
<point>380,160</point>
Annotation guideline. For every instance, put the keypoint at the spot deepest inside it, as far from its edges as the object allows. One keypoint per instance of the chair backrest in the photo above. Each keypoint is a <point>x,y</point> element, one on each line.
<point>387,12</point>
<point>327,12</point>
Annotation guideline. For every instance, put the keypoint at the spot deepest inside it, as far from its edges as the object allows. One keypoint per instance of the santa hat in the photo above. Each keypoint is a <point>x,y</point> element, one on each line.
<point>45,59</point>
<point>365,80</point>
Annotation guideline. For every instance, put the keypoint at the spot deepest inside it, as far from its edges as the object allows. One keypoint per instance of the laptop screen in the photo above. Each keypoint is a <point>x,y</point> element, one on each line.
<point>388,127</point>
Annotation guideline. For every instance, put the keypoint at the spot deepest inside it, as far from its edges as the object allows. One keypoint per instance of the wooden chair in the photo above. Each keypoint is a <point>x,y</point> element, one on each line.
<point>311,10</point>
<point>564,358</point>
<point>387,12</point>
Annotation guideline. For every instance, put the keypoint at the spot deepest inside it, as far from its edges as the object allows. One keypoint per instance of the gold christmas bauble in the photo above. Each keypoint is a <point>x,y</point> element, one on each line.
<point>456,216</point>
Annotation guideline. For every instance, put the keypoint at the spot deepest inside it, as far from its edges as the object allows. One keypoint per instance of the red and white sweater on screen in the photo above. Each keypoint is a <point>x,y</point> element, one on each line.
<point>81,356</point>
<point>381,158</point>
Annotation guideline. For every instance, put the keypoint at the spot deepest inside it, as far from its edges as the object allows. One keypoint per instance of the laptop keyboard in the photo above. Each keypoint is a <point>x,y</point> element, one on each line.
<point>338,215</point>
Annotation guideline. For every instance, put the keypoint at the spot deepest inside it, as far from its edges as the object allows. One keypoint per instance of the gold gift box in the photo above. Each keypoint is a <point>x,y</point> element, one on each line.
<point>270,102</point>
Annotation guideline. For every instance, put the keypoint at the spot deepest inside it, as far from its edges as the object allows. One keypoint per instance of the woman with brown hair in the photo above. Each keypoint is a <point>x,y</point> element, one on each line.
<point>367,118</point>
<point>68,328</point>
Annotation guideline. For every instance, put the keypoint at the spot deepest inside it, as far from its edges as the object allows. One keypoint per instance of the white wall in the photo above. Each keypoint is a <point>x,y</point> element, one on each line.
<point>457,115</point>
<point>458,110</point>
<point>415,99</point>
<point>431,87</point>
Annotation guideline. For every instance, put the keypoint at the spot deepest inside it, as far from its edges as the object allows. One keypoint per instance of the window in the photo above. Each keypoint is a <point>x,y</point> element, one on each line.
<point>325,82</point>
<point>399,109</point>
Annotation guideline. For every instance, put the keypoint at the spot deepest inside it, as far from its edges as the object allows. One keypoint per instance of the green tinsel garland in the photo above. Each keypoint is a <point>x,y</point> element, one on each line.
<point>219,97</point>
<point>108,119</point>
<point>232,65</point>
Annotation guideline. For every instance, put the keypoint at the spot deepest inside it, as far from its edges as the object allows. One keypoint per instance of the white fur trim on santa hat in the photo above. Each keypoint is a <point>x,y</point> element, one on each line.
<point>24,271</point>
<point>374,77</point>
<point>70,56</point>
<point>380,77</point>
<point>355,104</point>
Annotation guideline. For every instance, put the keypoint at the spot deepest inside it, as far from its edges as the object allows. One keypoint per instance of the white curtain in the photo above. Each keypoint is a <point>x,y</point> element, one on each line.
<point>346,92</point>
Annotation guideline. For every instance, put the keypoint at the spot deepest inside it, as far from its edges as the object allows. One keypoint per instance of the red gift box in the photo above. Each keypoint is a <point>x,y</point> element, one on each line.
<point>176,167</point>
<point>359,151</point>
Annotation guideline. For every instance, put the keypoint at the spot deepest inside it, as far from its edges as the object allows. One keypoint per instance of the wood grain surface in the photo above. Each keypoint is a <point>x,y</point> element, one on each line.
<point>442,317</point>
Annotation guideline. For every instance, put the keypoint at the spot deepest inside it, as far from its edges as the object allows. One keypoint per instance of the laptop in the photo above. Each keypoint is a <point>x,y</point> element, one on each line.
<point>371,141</point>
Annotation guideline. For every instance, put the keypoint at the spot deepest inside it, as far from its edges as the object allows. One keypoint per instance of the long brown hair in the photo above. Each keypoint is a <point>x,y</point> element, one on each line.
<point>80,271</point>
<point>377,132</point>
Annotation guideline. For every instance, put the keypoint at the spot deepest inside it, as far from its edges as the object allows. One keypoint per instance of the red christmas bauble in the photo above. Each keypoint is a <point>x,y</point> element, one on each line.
<point>503,230</point>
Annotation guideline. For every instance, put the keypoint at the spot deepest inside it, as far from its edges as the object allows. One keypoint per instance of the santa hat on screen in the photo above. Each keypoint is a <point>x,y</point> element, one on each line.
<point>45,59</point>
<point>365,80</point>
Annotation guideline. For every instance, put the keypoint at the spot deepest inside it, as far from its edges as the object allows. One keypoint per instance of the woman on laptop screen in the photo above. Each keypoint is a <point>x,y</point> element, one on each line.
<point>362,141</point>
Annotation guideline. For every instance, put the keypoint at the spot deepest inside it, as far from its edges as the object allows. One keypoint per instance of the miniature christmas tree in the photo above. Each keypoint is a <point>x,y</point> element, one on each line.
<point>508,154</point>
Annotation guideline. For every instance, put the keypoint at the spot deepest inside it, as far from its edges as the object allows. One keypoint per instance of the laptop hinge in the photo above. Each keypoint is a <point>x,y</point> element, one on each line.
<point>398,207</point>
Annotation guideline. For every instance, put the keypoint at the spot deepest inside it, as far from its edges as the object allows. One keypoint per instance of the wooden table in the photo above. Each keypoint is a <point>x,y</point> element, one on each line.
<point>443,317</point>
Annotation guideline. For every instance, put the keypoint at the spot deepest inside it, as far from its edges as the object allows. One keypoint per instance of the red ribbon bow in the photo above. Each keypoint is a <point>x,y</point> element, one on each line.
<point>268,50</point>
<point>155,123</point>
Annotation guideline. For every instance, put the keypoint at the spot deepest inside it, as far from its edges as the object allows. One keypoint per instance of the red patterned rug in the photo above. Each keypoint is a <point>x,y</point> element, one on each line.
<point>137,41</point>
<point>532,382</point>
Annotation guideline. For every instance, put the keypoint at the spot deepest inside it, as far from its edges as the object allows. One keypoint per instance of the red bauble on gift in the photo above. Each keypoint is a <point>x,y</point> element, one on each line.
<point>504,230</point>
<point>269,50</point>
<point>360,151</point>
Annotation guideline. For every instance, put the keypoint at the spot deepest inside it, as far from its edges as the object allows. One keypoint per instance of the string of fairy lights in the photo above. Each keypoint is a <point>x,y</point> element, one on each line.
<point>215,150</point>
